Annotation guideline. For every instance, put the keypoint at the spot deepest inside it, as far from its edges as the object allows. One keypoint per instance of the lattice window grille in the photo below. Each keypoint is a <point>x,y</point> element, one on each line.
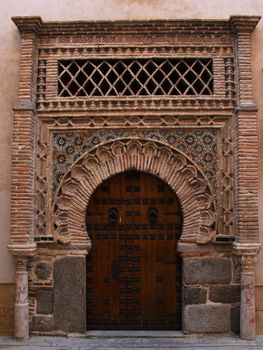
<point>135,77</point>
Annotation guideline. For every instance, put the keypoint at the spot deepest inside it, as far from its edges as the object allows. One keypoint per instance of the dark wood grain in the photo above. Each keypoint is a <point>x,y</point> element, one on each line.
<point>133,271</point>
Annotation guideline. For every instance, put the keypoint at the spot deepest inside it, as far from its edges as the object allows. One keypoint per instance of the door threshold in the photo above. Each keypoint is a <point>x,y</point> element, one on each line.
<point>130,334</point>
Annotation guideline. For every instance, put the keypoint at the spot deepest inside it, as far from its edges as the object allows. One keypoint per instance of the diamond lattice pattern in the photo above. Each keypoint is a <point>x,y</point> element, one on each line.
<point>135,77</point>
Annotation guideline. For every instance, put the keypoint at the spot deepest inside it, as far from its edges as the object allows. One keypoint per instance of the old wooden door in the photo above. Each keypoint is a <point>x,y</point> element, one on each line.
<point>133,271</point>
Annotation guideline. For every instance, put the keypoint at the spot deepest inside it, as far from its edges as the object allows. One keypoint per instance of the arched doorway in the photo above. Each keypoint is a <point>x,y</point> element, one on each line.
<point>134,221</point>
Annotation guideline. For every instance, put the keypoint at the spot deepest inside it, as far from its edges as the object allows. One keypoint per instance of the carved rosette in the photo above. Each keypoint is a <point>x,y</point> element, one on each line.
<point>172,166</point>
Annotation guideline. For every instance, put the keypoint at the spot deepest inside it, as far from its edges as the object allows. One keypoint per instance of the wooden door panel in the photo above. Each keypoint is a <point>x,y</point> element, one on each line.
<point>133,272</point>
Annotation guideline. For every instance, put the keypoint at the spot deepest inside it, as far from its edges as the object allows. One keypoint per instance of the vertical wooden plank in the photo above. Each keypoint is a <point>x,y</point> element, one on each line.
<point>144,293</point>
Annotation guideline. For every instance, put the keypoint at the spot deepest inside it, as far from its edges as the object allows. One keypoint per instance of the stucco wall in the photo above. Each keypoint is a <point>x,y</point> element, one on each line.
<point>108,10</point>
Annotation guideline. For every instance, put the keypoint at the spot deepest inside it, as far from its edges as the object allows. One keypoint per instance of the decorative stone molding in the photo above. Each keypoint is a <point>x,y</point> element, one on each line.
<point>171,165</point>
<point>228,208</point>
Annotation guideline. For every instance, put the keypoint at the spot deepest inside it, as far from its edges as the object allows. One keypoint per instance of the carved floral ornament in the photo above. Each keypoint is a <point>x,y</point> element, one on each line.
<point>156,158</point>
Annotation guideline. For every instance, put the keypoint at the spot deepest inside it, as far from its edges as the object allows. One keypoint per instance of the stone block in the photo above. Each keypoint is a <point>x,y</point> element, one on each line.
<point>69,294</point>
<point>194,296</point>
<point>235,319</point>
<point>207,318</point>
<point>225,294</point>
<point>44,301</point>
<point>214,270</point>
<point>42,323</point>
<point>43,270</point>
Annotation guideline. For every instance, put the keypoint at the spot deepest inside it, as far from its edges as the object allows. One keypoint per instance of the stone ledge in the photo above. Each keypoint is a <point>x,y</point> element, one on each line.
<point>192,249</point>
<point>23,250</point>
<point>25,106</point>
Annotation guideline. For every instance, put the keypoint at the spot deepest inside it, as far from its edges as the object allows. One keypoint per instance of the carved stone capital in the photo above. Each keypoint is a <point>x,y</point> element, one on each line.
<point>248,262</point>
<point>22,264</point>
<point>248,253</point>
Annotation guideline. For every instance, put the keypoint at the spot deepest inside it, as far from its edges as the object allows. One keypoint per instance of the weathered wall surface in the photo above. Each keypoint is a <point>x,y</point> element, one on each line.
<point>51,10</point>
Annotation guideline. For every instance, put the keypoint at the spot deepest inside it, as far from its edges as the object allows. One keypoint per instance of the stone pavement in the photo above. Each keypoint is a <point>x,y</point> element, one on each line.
<point>123,340</point>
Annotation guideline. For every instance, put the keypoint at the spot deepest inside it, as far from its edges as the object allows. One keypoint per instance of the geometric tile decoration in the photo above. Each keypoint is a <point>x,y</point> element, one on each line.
<point>199,144</point>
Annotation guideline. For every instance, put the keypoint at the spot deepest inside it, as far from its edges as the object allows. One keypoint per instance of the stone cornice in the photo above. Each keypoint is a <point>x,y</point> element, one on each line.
<point>28,24</point>
<point>251,107</point>
<point>244,23</point>
<point>142,27</point>
<point>25,106</point>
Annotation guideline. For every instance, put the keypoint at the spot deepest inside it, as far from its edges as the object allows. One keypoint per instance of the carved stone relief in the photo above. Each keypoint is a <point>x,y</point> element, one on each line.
<point>171,165</point>
<point>198,145</point>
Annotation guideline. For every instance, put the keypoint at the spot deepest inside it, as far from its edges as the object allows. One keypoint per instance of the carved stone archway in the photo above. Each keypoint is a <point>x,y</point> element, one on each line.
<point>171,165</point>
<point>45,217</point>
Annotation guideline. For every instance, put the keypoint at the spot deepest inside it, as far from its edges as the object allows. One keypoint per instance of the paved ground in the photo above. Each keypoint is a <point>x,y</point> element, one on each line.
<point>133,340</point>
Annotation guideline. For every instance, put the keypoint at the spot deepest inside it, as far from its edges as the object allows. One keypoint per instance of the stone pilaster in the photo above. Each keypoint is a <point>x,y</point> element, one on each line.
<point>248,254</point>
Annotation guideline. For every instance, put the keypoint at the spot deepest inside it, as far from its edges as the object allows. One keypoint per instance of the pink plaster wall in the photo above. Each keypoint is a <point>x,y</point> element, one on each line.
<point>104,10</point>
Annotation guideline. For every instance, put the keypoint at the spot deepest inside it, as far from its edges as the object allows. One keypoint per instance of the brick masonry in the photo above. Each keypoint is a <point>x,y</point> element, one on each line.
<point>51,225</point>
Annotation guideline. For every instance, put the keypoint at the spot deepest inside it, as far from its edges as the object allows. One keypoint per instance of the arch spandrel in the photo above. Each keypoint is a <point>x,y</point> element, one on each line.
<point>172,166</point>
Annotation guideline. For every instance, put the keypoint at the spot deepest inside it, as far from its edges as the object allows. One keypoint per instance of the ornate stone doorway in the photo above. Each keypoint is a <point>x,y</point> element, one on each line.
<point>168,98</point>
<point>134,221</point>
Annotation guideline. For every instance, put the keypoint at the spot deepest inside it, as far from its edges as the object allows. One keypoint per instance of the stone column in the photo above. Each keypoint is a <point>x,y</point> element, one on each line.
<point>21,302</point>
<point>22,252</point>
<point>248,253</point>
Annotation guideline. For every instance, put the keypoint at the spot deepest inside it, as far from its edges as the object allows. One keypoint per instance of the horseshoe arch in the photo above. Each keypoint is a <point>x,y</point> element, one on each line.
<point>153,157</point>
